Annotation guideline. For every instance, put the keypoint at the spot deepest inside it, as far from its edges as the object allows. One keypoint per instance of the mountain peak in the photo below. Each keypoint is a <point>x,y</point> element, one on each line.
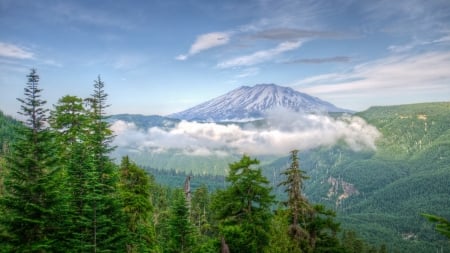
<point>250,102</point>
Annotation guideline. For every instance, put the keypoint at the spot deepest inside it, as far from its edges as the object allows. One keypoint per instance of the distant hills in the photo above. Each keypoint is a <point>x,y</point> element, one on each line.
<point>254,102</point>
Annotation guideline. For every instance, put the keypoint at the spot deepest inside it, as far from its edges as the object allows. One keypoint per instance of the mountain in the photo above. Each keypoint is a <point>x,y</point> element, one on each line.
<point>253,102</point>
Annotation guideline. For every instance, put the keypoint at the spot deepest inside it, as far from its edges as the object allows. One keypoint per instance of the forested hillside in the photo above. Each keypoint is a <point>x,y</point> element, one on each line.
<point>7,131</point>
<point>382,193</point>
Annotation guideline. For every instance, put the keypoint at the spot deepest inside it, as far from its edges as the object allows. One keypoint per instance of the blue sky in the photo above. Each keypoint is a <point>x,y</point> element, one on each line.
<point>164,56</point>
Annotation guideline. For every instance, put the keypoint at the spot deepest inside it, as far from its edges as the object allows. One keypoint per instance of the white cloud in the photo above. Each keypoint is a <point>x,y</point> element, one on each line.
<point>206,41</point>
<point>13,51</point>
<point>285,131</point>
<point>181,57</point>
<point>396,79</point>
<point>444,39</point>
<point>260,56</point>
<point>209,40</point>
<point>412,45</point>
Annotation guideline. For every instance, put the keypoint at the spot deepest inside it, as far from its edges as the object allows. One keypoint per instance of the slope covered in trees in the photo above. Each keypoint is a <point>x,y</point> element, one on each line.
<point>382,193</point>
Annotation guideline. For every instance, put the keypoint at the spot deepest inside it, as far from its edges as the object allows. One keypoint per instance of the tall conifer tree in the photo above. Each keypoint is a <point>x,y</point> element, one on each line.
<point>311,227</point>
<point>107,223</point>
<point>181,232</point>
<point>243,209</point>
<point>297,204</point>
<point>137,207</point>
<point>69,120</point>
<point>31,198</point>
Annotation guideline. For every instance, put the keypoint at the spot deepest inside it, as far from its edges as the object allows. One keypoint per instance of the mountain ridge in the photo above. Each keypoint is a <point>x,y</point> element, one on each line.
<point>253,102</point>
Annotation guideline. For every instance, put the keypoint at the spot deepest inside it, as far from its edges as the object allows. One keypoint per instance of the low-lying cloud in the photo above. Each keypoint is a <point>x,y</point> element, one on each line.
<point>282,132</point>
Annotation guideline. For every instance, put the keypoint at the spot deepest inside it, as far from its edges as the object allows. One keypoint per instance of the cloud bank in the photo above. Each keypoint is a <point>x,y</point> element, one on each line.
<point>284,131</point>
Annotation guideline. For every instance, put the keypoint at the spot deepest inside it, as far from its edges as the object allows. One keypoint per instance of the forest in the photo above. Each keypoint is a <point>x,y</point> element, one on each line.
<point>61,191</point>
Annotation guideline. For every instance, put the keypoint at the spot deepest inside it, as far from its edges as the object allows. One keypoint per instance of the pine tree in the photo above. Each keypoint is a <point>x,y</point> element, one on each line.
<point>107,224</point>
<point>31,200</point>
<point>69,120</point>
<point>243,208</point>
<point>135,195</point>
<point>297,204</point>
<point>181,231</point>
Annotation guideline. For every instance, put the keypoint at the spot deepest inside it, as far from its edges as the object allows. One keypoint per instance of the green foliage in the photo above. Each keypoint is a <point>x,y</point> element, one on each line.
<point>134,187</point>
<point>297,204</point>
<point>107,229</point>
<point>200,210</point>
<point>279,241</point>
<point>182,235</point>
<point>30,202</point>
<point>92,215</point>
<point>8,134</point>
<point>442,224</point>
<point>243,208</point>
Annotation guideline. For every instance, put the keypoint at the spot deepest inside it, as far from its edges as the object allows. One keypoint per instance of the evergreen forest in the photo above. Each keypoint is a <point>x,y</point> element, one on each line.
<point>62,191</point>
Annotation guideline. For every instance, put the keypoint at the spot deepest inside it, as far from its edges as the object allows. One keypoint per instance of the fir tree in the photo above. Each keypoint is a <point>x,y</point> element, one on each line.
<point>69,120</point>
<point>296,203</point>
<point>135,194</point>
<point>243,209</point>
<point>31,200</point>
<point>311,227</point>
<point>181,231</point>
<point>107,225</point>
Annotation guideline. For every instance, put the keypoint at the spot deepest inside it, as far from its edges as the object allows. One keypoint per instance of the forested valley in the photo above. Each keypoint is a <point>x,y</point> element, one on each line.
<point>60,191</point>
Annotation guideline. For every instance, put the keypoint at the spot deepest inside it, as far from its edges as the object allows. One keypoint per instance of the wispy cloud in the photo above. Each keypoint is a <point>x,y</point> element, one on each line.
<point>286,131</point>
<point>416,43</point>
<point>259,56</point>
<point>206,41</point>
<point>288,34</point>
<point>393,77</point>
<point>415,18</point>
<point>319,60</point>
<point>14,51</point>
<point>72,12</point>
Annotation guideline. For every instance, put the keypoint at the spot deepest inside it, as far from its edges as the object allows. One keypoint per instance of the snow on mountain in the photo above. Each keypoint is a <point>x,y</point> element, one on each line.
<point>253,102</point>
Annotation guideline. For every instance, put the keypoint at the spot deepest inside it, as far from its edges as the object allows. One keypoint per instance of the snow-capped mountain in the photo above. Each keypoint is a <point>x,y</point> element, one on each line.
<point>253,102</point>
